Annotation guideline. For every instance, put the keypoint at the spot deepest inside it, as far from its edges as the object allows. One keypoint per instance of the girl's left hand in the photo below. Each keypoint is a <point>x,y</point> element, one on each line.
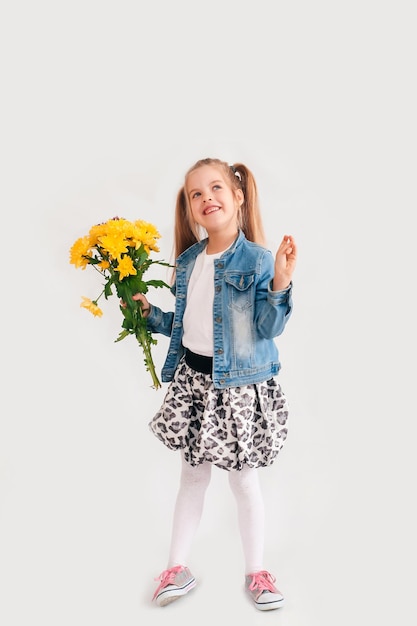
<point>285,260</point>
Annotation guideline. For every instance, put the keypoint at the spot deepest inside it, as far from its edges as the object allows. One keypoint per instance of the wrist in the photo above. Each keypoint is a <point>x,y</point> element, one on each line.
<point>280,286</point>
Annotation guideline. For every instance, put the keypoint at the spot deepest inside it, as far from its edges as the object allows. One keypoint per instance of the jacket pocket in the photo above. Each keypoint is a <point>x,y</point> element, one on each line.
<point>241,289</point>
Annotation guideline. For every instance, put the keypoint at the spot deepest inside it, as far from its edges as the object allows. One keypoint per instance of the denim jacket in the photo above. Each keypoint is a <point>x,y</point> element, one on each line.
<point>247,314</point>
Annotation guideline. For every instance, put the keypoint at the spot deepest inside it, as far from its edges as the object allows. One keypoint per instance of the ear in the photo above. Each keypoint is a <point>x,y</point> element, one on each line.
<point>239,196</point>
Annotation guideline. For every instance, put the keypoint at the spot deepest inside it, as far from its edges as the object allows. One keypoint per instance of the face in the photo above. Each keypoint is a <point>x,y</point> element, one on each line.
<point>213,203</point>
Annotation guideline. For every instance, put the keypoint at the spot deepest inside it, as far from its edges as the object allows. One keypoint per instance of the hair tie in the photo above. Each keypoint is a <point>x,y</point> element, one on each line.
<point>236,173</point>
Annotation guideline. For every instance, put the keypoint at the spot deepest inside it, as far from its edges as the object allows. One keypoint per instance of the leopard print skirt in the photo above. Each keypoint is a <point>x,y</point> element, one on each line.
<point>227,427</point>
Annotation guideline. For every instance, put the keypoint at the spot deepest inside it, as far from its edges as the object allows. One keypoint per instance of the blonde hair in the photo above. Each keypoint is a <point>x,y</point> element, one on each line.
<point>186,231</point>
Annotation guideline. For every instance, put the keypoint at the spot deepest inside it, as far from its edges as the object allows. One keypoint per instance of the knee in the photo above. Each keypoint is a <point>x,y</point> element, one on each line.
<point>244,483</point>
<point>197,478</point>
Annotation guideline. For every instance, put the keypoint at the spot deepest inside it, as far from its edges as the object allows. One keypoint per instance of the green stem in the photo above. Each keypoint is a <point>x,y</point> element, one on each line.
<point>142,337</point>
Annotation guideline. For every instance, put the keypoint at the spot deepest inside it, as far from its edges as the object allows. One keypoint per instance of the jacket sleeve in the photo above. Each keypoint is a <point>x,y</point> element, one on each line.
<point>159,321</point>
<point>272,308</point>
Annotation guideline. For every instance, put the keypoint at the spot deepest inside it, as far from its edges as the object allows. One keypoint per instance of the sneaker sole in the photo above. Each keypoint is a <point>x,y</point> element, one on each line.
<point>269,606</point>
<point>170,595</point>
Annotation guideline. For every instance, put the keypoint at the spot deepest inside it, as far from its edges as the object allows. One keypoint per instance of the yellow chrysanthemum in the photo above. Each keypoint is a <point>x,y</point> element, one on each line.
<point>91,306</point>
<point>103,265</point>
<point>126,227</point>
<point>114,244</point>
<point>125,267</point>
<point>95,232</point>
<point>150,228</point>
<point>80,248</point>
<point>146,234</point>
<point>117,226</point>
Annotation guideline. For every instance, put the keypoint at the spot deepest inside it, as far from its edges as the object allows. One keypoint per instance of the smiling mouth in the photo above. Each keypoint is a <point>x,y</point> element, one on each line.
<point>211,209</point>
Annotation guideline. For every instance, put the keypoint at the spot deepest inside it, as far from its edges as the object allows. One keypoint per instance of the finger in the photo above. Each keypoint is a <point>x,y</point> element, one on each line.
<point>294,248</point>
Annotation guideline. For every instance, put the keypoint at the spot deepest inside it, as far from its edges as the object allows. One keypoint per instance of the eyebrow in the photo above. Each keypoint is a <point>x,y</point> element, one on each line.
<point>211,183</point>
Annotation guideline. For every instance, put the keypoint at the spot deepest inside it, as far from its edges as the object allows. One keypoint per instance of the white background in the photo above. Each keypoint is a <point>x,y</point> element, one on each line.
<point>103,108</point>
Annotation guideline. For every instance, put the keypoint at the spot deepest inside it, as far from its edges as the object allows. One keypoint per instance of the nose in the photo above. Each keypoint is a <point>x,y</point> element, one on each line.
<point>206,199</point>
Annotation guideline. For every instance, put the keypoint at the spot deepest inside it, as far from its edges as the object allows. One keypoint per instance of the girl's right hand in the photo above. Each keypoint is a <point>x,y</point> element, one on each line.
<point>145,303</point>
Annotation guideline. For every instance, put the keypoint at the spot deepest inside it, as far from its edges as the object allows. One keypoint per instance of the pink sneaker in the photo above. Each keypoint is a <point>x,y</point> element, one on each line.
<point>175,582</point>
<point>261,588</point>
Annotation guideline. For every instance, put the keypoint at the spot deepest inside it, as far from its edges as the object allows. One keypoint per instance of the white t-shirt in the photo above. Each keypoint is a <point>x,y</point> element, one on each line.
<point>198,314</point>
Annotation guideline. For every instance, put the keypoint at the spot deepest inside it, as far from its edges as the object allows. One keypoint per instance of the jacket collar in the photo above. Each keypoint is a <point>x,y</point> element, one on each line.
<point>198,247</point>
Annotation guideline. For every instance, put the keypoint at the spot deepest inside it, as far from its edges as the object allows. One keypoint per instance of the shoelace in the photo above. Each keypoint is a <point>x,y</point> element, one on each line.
<point>167,578</point>
<point>263,580</point>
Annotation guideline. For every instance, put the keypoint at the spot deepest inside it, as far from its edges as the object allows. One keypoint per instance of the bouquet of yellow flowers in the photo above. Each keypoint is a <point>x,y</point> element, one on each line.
<point>119,251</point>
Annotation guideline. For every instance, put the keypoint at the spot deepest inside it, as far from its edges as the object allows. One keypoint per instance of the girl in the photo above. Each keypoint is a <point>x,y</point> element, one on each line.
<point>224,406</point>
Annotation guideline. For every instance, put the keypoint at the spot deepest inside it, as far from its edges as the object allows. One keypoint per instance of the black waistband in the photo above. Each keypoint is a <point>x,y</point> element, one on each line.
<point>198,362</point>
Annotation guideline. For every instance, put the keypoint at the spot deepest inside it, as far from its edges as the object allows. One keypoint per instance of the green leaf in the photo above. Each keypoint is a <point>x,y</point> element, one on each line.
<point>127,314</point>
<point>108,290</point>
<point>122,335</point>
<point>91,260</point>
<point>134,284</point>
<point>157,283</point>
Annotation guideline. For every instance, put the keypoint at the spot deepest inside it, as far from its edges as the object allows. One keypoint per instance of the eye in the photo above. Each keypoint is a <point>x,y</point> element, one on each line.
<point>195,195</point>
<point>217,186</point>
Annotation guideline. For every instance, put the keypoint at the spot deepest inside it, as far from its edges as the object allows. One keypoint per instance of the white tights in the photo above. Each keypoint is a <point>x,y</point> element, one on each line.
<point>189,507</point>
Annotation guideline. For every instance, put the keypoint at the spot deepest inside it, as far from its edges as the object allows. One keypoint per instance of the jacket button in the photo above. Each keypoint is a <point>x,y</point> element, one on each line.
<point>218,288</point>
<point>220,266</point>
<point>218,319</point>
<point>219,351</point>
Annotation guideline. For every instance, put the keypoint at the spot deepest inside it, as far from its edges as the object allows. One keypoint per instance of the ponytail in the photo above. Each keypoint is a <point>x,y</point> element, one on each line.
<point>185,231</point>
<point>250,219</point>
